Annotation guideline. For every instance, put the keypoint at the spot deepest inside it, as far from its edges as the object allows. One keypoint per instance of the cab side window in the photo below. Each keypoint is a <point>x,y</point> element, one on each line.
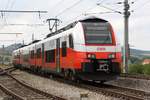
<point>71,41</point>
<point>64,49</point>
<point>38,53</point>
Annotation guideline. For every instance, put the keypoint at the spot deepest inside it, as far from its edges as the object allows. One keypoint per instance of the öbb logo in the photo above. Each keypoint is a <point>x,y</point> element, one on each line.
<point>101,49</point>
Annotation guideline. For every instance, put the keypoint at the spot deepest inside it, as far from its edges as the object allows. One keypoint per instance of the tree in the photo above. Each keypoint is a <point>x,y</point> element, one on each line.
<point>135,60</point>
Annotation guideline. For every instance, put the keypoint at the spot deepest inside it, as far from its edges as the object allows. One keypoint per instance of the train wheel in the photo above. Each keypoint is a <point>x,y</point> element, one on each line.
<point>66,74</point>
<point>102,82</point>
<point>72,76</point>
<point>51,76</point>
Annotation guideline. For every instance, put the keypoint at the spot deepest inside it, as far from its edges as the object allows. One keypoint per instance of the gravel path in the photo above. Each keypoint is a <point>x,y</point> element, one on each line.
<point>58,89</point>
<point>139,84</point>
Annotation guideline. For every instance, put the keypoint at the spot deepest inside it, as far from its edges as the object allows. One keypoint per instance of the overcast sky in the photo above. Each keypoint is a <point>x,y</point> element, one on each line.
<point>68,11</point>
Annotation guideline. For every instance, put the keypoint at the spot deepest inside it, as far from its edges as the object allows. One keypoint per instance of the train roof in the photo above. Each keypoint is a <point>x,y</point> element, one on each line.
<point>85,19</point>
<point>92,18</point>
<point>35,41</point>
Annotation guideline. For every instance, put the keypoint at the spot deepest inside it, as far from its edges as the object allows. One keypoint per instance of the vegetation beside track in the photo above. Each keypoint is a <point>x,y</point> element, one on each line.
<point>139,69</point>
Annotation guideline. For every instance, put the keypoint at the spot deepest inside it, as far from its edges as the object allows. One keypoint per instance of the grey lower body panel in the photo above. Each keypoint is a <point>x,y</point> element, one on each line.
<point>98,76</point>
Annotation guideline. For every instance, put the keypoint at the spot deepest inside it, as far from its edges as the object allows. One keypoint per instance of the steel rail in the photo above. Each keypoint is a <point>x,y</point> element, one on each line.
<point>136,76</point>
<point>7,70</point>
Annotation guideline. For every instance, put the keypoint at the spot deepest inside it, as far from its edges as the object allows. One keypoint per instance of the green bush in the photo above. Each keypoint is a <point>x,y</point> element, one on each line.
<point>139,69</point>
<point>146,70</point>
<point>136,69</point>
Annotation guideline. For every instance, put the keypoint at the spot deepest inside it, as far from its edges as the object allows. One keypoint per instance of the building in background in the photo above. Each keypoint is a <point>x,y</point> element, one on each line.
<point>146,61</point>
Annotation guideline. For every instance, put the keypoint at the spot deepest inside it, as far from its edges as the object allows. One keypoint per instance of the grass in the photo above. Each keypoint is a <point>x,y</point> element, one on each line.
<point>139,69</point>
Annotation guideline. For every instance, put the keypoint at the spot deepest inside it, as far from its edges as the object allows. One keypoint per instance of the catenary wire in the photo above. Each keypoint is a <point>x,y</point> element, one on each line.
<point>142,5</point>
<point>63,11</point>
<point>110,9</point>
<point>57,4</point>
<point>82,13</point>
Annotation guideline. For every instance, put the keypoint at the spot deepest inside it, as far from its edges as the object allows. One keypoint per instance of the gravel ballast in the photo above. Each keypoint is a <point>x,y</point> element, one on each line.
<point>2,95</point>
<point>56,88</point>
<point>139,84</point>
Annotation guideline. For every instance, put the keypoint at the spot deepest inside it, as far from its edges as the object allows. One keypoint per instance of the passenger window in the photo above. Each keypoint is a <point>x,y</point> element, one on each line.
<point>25,58</point>
<point>64,49</point>
<point>38,53</point>
<point>32,54</point>
<point>71,41</point>
<point>50,56</point>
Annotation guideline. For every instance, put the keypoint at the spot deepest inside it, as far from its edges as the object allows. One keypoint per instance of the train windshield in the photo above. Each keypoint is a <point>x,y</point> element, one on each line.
<point>97,33</point>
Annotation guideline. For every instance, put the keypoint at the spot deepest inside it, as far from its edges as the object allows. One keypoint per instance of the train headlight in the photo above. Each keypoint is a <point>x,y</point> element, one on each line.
<point>111,56</point>
<point>91,56</point>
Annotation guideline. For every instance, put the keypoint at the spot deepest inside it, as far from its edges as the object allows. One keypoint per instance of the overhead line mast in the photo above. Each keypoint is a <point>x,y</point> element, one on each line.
<point>126,36</point>
<point>23,11</point>
<point>126,32</point>
<point>11,34</point>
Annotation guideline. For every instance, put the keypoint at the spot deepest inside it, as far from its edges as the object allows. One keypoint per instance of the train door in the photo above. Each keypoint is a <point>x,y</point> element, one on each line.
<point>42,54</point>
<point>58,55</point>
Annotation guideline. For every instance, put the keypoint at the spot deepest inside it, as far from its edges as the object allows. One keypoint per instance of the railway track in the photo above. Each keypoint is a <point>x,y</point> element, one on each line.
<point>21,91</point>
<point>6,70</point>
<point>4,96</point>
<point>136,76</point>
<point>110,90</point>
<point>119,92</point>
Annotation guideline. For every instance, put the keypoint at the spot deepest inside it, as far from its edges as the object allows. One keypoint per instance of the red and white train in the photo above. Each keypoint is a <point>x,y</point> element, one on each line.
<point>86,49</point>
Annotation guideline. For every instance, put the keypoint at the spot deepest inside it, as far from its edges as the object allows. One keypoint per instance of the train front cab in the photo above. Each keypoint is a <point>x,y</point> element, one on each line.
<point>99,69</point>
<point>101,56</point>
